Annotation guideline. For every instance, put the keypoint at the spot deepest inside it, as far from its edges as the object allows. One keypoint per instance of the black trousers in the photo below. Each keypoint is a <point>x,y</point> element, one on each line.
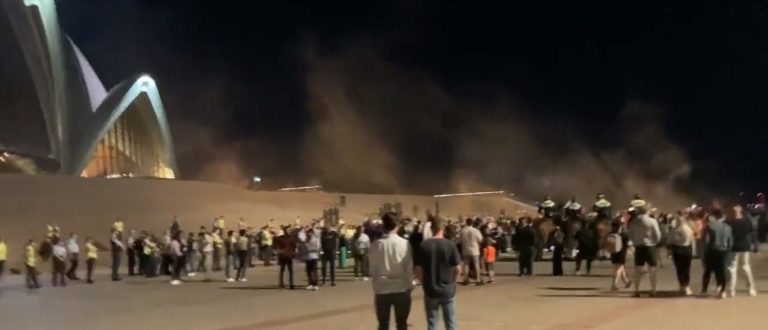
<point>74,262</point>
<point>384,303</point>
<point>286,263</point>
<point>682,267</point>
<point>143,261</point>
<point>329,259</point>
<point>177,264</point>
<point>242,263</point>
<point>714,263</point>
<point>588,256</point>
<point>57,277</point>
<point>2,268</point>
<point>557,261</point>
<point>89,268</point>
<point>31,278</point>
<point>312,272</point>
<point>131,262</point>
<point>525,261</point>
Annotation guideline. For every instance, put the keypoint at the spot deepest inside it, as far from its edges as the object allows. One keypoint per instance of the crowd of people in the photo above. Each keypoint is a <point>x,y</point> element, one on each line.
<point>397,253</point>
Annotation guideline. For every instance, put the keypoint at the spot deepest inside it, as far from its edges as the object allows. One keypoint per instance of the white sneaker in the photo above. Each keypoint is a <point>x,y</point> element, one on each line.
<point>230,280</point>
<point>688,291</point>
<point>316,288</point>
<point>365,279</point>
<point>310,287</point>
<point>722,295</point>
<point>752,292</point>
<point>175,282</point>
<point>191,274</point>
<point>579,273</point>
<point>243,279</point>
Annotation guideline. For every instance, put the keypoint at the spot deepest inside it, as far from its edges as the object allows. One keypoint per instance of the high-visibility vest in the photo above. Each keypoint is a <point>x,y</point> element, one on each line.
<point>638,203</point>
<point>218,223</point>
<point>91,251</point>
<point>548,204</point>
<point>266,238</point>
<point>149,247</point>
<point>29,254</point>
<point>3,251</point>
<point>602,203</point>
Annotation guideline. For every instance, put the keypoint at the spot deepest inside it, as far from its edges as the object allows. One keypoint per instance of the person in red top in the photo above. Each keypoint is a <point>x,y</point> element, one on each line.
<point>286,244</point>
<point>489,258</point>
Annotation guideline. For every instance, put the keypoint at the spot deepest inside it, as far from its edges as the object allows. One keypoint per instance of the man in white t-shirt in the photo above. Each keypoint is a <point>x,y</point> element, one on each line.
<point>470,239</point>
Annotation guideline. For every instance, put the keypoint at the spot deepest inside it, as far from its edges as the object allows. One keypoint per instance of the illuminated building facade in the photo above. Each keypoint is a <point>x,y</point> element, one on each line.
<point>72,125</point>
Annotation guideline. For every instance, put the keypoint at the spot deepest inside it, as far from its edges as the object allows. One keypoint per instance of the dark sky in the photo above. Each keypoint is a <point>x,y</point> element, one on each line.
<point>237,79</point>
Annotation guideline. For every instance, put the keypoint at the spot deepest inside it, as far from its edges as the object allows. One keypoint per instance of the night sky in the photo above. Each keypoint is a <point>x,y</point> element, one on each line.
<point>450,95</point>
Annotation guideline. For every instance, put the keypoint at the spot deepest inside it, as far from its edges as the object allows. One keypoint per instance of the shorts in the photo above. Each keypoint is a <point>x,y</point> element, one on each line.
<point>645,255</point>
<point>619,258</point>
<point>489,266</point>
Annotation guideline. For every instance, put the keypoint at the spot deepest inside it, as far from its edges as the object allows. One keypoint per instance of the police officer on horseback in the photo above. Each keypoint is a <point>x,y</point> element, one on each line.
<point>602,207</point>
<point>547,207</point>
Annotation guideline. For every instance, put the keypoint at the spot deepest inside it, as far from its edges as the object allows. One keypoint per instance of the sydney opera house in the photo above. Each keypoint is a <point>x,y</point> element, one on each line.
<point>56,116</point>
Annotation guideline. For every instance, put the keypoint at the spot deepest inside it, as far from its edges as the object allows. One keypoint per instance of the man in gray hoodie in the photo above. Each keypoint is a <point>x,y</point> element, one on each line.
<point>644,233</point>
<point>718,241</point>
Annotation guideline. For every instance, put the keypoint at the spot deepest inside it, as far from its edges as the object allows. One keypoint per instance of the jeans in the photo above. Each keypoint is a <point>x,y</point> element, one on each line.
<point>217,259</point>
<point>361,265</point>
<point>177,262</point>
<point>312,272</point>
<point>715,263</point>
<point>682,268</point>
<point>432,308</point>
<point>58,272</point>
<point>229,265</point>
<point>734,259</point>
<point>115,265</point>
<point>286,263</point>
<point>328,261</point>
<point>384,303</point>
<point>72,272</point>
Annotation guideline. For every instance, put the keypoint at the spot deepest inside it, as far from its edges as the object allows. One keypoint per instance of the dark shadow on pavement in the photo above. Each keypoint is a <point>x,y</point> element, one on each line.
<point>258,287</point>
<point>564,288</point>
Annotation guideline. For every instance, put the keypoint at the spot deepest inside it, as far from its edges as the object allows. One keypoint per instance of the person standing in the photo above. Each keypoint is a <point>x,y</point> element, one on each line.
<point>285,243</point>
<point>217,243</point>
<point>59,261</point>
<point>329,240</point>
<point>644,233</point>
<point>30,262</point>
<point>558,244</point>
<point>471,238</point>
<point>586,238</point>
<point>312,249</point>
<point>243,242</point>
<point>130,250</point>
<point>489,258</point>
<point>742,235</point>
<point>526,244</point>
<point>361,244</point>
<point>205,242</point>
<point>618,242</point>
<point>3,256</point>
<point>265,246</point>
<point>176,257</point>
<point>229,251</point>
<point>680,240</point>
<point>343,242</point>
<point>91,253</point>
<point>74,251</point>
<point>192,255</point>
<point>437,268</point>
<point>392,274</point>
<point>719,241</point>
<point>117,247</point>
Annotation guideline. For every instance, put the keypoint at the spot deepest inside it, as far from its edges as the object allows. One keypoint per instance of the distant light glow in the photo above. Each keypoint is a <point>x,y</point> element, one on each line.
<point>300,188</point>
<point>471,194</point>
<point>257,179</point>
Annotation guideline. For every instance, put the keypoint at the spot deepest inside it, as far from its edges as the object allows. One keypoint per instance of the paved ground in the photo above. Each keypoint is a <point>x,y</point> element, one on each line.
<point>542,302</point>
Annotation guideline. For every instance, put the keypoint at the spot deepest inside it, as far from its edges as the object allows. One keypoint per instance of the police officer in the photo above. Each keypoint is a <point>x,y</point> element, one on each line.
<point>638,202</point>
<point>572,209</point>
<point>547,207</point>
<point>602,207</point>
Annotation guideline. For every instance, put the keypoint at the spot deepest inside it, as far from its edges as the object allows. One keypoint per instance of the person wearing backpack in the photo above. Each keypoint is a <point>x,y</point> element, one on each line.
<point>680,242</point>
<point>617,244</point>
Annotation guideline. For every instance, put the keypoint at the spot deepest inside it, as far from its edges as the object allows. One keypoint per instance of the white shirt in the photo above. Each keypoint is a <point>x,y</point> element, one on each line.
<point>72,246</point>
<point>60,252</point>
<point>470,241</point>
<point>391,265</point>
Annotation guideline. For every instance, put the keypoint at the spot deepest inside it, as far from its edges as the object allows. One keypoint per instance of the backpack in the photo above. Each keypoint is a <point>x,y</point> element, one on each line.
<point>614,243</point>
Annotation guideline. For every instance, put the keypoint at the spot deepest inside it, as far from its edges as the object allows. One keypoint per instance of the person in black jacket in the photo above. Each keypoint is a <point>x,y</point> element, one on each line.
<point>329,242</point>
<point>526,246</point>
<point>742,230</point>
<point>588,246</point>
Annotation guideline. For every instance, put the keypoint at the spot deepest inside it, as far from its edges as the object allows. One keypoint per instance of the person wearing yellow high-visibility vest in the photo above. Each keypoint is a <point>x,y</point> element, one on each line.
<point>602,207</point>
<point>638,202</point>
<point>218,247</point>
<point>118,226</point>
<point>547,207</point>
<point>265,245</point>
<point>3,256</point>
<point>53,231</point>
<point>91,254</point>
<point>30,262</point>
